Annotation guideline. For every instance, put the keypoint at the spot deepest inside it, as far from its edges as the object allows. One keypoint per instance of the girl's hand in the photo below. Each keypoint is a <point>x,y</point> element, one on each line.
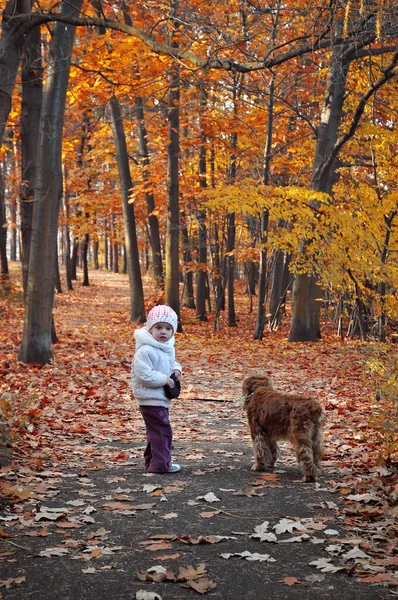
<point>177,374</point>
<point>170,382</point>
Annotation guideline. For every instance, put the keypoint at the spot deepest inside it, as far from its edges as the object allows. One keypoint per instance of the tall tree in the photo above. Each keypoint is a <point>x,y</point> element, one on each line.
<point>173,151</point>
<point>36,340</point>
<point>201,216</point>
<point>137,308</point>
<point>32,93</point>
<point>306,293</point>
<point>11,43</point>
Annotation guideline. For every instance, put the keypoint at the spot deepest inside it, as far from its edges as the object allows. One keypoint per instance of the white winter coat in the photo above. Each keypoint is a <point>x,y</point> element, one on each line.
<point>152,364</point>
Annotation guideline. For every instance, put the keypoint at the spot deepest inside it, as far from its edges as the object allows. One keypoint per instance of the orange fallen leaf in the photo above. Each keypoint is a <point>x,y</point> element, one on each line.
<point>202,586</point>
<point>4,534</point>
<point>386,578</point>
<point>290,580</point>
<point>191,572</point>
<point>155,547</point>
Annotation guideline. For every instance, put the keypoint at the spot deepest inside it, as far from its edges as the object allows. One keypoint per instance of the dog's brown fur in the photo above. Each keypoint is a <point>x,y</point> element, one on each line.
<point>274,416</point>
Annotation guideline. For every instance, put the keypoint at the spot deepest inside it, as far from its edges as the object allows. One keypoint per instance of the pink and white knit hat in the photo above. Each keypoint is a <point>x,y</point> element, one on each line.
<point>161,314</point>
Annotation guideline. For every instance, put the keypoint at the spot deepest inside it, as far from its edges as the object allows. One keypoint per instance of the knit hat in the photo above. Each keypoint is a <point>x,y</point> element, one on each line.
<point>161,314</point>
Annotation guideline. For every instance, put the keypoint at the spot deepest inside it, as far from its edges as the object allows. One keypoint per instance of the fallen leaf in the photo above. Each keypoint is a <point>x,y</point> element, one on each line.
<point>191,572</point>
<point>48,552</point>
<point>99,533</point>
<point>384,578</point>
<point>290,580</point>
<point>7,583</point>
<point>144,595</point>
<point>326,566</point>
<point>156,573</point>
<point>5,534</point>
<point>89,570</point>
<point>156,547</point>
<point>37,533</point>
<point>209,515</point>
<point>255,556</point>
<point>167,557</point>
<point>287,525</point>
<point>210,497</point>
<point>202,586</point>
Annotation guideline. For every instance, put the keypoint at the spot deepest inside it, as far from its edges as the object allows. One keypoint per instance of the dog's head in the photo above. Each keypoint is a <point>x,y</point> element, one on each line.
<point>251,383</point>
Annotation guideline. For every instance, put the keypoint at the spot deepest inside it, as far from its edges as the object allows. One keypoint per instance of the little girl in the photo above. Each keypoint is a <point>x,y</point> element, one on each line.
<point>153,363</point>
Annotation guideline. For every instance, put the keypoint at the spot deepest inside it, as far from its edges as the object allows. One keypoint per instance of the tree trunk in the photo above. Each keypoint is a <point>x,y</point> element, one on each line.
<point>305,321</point>
<point>115,254</point>
<point>36,340</point>
<point>231,269</point>
<point>12,209</point>
<point>153,222</point>
<point>137,308</point>
<point>57,282</point>
<point>68,258</point>
<point>32,87</point>
<point>201,291</point>
<point>188,299</point>
<point>173,210</point>
<point>74,259</point>
<point>3,231</point>
<point>382,286</point>
<point>84,247</point>
<point>106,248</point>
<point>12,40</point>
<point>96,254</point>
<point>264,221</point>
<point>277,295</point>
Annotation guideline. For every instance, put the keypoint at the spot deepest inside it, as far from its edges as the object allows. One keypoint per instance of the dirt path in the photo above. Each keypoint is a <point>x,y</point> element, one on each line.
<point>89,522</point>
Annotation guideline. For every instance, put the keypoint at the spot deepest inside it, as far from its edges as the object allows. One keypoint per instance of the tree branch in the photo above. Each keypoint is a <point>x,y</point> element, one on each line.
<point>27,21</point>
<point>388,73</point>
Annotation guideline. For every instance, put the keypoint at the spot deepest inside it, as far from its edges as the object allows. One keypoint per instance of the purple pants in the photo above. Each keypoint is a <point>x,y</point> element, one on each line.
<point>159,436</point>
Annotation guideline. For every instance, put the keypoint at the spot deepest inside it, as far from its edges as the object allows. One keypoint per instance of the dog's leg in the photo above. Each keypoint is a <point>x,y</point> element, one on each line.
<point>317,447</point>
<point>274,452</point>
<point>302,442</point>
<point>263,452</point>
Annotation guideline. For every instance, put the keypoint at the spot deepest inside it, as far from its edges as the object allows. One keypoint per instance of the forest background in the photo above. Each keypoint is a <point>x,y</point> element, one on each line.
<point>234,159</point>
<point>202,145</point>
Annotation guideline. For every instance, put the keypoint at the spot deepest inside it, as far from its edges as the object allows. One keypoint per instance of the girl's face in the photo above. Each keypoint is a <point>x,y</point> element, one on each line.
<point>162,332</point>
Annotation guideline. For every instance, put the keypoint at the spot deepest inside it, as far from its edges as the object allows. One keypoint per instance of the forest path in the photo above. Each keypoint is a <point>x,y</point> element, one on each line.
<point>84,513</point>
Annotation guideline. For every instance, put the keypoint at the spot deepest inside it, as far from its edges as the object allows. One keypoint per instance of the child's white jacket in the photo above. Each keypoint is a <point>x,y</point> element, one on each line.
<point>152,364</point>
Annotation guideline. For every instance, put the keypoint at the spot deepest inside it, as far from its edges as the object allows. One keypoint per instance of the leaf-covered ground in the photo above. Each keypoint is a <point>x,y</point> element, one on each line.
<point>76,483</point>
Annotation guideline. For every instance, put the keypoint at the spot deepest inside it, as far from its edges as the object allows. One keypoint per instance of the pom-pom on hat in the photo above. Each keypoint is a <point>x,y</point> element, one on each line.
<point>161,314</point>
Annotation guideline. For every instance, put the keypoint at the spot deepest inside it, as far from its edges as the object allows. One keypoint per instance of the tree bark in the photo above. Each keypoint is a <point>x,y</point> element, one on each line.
<point>188,299</point>
<point>153,222</point>
<point>201,290</point>
<point>137,308</point>
<point>277,296</point>
<point>84,247</point>
<point>36,340</point>
<point>12,40</point>
<point>305,321</point>
<point>32,94</point>
<point>264,221</point>
<point>3,231</point>
<point>173,210</point>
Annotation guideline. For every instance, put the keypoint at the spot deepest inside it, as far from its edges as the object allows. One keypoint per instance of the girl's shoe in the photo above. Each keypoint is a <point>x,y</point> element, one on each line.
<point>174,468</point>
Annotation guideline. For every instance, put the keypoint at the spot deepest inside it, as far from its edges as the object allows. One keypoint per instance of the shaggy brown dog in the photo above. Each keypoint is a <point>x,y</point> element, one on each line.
<point>274,416</point>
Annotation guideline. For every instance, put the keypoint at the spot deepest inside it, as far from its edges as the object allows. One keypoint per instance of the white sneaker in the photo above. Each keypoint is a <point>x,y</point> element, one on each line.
<point>174,468</point>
